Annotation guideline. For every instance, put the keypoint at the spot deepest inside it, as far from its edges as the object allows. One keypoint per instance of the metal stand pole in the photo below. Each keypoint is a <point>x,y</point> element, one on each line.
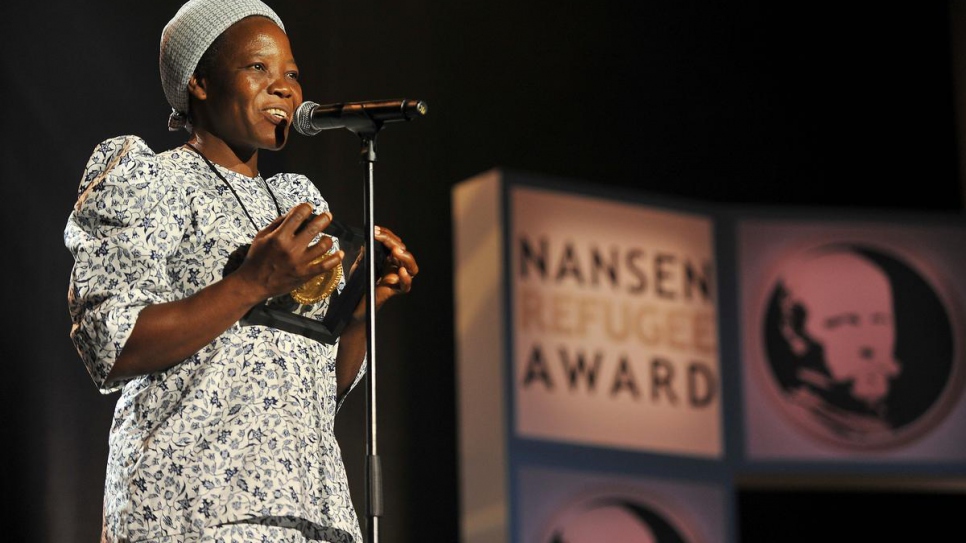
<point>373,465</point>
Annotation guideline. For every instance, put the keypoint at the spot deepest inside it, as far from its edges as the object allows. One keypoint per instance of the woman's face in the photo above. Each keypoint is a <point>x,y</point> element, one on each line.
<point>253,89</point>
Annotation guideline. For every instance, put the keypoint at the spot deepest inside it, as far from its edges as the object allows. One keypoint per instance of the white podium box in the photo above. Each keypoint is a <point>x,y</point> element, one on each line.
<point>587,355</point>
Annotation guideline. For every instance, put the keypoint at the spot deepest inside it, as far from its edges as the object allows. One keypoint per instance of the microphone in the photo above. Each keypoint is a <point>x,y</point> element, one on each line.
<point>311,118</point>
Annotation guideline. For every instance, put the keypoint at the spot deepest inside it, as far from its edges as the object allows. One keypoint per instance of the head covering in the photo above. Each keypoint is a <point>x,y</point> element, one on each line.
<point>188,35</point>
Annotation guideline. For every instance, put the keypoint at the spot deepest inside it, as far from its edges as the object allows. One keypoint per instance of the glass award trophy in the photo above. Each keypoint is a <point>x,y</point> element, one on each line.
<point>288,311</point>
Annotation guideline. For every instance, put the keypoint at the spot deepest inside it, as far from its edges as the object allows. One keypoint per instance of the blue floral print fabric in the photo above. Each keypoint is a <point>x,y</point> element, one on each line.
<point>241,430</point>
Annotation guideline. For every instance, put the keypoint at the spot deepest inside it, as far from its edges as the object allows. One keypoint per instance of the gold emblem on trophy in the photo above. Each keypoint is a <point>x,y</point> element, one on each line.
<point>319,287</point>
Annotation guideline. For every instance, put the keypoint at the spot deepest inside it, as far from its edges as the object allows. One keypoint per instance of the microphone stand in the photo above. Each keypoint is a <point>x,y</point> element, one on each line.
<point>365,119</point>
<point>373,464</point>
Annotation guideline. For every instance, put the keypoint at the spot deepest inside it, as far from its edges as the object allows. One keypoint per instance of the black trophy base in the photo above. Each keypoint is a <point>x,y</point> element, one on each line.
<point>290,322</point>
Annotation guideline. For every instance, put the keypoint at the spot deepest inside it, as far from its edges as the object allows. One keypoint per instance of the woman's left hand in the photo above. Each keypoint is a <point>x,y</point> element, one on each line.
<point>398,270</point>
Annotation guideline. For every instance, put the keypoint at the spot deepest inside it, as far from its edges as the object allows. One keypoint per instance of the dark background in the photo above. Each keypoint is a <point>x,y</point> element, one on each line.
<point>763,103</point>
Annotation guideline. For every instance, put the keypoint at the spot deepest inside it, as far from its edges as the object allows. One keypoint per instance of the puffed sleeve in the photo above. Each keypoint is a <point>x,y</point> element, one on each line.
<point>127,220</point>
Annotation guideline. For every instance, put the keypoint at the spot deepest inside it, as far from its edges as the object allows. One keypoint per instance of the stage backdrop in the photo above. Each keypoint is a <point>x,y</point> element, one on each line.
<point>626,362</point>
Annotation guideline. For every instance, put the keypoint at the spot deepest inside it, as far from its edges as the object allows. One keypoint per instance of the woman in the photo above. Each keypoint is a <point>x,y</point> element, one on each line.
<point>222,432</point>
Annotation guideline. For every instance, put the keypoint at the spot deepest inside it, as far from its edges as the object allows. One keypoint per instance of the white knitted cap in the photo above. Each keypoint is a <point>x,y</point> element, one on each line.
<point>188,35</point>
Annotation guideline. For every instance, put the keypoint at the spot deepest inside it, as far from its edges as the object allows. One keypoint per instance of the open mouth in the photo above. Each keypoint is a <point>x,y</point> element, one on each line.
<point>281,129</point>
<point>277,115</point>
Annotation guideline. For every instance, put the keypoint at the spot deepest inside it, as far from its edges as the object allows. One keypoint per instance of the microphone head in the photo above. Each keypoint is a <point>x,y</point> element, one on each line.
<point>302,123</point>
<point>422,108</point>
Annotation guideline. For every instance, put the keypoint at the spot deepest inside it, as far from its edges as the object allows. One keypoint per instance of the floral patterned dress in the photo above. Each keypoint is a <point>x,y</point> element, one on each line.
<point>238,437</point>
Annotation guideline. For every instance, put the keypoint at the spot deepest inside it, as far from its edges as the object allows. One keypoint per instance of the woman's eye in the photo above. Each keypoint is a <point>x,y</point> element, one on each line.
<point>258,66</point>
<point>293,75</point>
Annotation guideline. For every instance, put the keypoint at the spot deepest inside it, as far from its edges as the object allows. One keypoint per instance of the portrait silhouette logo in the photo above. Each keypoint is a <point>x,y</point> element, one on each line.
<point>859,346</point>
<point>615,514</point>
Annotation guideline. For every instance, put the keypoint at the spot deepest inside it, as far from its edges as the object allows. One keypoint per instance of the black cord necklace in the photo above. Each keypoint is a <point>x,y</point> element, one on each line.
<point>278,209</point>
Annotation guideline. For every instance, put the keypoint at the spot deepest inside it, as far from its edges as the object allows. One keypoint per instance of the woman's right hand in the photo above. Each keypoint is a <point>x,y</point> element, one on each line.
<point>282,256</point>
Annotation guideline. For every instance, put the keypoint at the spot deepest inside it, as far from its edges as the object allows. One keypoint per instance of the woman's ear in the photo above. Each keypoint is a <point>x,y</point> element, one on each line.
<point>198,87</point>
